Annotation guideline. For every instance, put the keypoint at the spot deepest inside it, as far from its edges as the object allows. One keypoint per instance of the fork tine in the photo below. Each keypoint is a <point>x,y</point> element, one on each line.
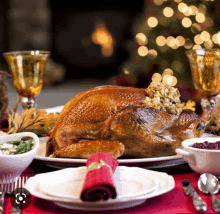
<point>8,183</point>
<point>20,182</point>
<point>25,178</point>
<point>16,185</point>
<point>23,181</point>
<point>19,185</point>
<point>3,183</point>
<point>12,184</point>
<point>6,180</point>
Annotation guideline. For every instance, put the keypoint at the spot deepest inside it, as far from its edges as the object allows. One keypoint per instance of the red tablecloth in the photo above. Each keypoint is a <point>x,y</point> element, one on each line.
<point>173,202</point>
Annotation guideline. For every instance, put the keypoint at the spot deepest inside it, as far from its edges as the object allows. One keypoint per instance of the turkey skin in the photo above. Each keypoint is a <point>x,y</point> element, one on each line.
<point>115,119</point>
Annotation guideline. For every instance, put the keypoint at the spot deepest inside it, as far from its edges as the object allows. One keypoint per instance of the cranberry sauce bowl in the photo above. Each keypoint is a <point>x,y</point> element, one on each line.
<point>202,154</point>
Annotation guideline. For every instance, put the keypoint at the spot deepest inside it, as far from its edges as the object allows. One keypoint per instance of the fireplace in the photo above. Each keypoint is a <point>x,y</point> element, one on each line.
<point>90,37</point>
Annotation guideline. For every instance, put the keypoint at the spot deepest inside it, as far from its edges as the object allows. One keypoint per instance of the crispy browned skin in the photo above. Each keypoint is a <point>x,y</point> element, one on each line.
<point>85,148</point>
<point>117,113</point>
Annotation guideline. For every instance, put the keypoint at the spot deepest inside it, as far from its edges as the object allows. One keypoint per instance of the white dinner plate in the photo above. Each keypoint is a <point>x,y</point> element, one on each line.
<point>127,198</point>
<point>150,163</point>
<point>129,183</point>
<point>157,162</point>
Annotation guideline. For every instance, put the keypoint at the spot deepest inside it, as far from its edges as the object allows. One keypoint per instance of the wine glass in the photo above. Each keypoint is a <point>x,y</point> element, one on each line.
<point>205,68</point>
<point>27,68</point>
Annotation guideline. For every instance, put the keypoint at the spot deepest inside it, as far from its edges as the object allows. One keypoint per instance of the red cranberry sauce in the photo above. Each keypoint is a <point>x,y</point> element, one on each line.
<point>207,145</point>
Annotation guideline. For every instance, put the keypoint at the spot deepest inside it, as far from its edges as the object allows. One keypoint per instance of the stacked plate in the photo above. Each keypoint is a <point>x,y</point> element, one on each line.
<point>133,185</point>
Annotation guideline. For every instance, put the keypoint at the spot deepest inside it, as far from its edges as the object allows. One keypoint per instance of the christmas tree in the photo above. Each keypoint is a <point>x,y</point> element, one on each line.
<point>162,34</point>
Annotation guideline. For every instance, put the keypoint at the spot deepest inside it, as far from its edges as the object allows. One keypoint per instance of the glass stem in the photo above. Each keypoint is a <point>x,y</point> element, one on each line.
<point>28,102</point>
<point>208,103</point>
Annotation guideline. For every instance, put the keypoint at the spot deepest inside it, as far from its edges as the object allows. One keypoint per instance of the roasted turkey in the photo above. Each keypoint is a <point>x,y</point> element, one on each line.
<point>121,121</point>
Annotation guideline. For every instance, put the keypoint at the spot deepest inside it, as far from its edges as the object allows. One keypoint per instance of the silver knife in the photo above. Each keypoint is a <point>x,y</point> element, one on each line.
<point>198,203</point>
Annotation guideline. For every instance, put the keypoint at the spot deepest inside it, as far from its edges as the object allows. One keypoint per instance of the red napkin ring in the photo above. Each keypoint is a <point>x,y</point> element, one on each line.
<point>99,184</point>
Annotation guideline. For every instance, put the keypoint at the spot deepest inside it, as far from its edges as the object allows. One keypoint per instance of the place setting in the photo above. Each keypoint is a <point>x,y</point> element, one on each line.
<point>89,190</point>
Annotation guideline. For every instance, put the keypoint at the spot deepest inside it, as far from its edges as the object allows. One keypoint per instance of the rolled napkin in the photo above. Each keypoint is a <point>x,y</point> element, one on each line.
<point>99,184</point>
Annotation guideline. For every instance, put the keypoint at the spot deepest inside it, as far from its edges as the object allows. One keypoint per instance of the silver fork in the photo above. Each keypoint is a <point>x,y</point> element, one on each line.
<point>5,188</point>
<point>20,182</point>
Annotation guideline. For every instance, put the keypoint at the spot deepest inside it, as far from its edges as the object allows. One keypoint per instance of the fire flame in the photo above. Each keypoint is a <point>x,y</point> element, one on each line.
<point>101,36</point>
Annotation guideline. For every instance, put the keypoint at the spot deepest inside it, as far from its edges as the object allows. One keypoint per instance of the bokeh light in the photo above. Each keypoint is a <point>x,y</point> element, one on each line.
<point>156,77</point>
<point>195,28</point>
<point>186,22</point>
<point>152,22</point>
<point>208,44</point>
<point>198,40</point>
<point>216,38</point>
<point>161,40</point>
<point>202,9</point>
<point>205,36</point>
<point>127,71</point>
<point>197,47</point>
<point>142,50</point>
<point>189,12</point>
<point>141,39</point>
<point>173,82</point>
<point>188,43</point>
<point>168,12</point>
<point>200,18</point>
<point>167,71</point>
<point>182,7</point>
<point>181,40</point>
<point>152,54</point>
<point>194,10</point>
<point>170,41</point>
<point>168,79</point>
<point>158,2</point>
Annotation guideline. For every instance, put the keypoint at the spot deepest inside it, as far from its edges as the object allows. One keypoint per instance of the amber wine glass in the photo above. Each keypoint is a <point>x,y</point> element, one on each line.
<point>205,68</point>
<point>27,68</point>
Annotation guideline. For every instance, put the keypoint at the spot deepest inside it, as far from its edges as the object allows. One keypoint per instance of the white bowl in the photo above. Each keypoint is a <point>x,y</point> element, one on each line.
<point>16,164</point>
<point>201,160</point>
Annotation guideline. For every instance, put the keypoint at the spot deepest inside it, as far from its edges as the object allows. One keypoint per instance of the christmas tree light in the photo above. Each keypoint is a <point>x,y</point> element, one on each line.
<point>165,31</point>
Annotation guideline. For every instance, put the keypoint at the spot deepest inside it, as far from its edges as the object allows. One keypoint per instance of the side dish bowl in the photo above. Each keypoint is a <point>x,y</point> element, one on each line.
<point>15,164</point>
<point>201,160</point>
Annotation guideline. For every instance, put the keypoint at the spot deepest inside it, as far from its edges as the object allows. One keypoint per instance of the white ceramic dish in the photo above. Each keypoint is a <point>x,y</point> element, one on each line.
<point>150,163</point>
<point>201,160</point>
<point>127,198</point>
<point>16,164</point>
<point>129,183</point>
<point>145,162</point>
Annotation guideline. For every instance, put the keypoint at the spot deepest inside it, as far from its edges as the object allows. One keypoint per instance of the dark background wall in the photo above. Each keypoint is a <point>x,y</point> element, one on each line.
<point>65,28</point>
<point>73,21</point>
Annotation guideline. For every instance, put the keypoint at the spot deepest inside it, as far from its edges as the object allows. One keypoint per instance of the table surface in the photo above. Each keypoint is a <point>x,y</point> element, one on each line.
<point>172,202</point>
